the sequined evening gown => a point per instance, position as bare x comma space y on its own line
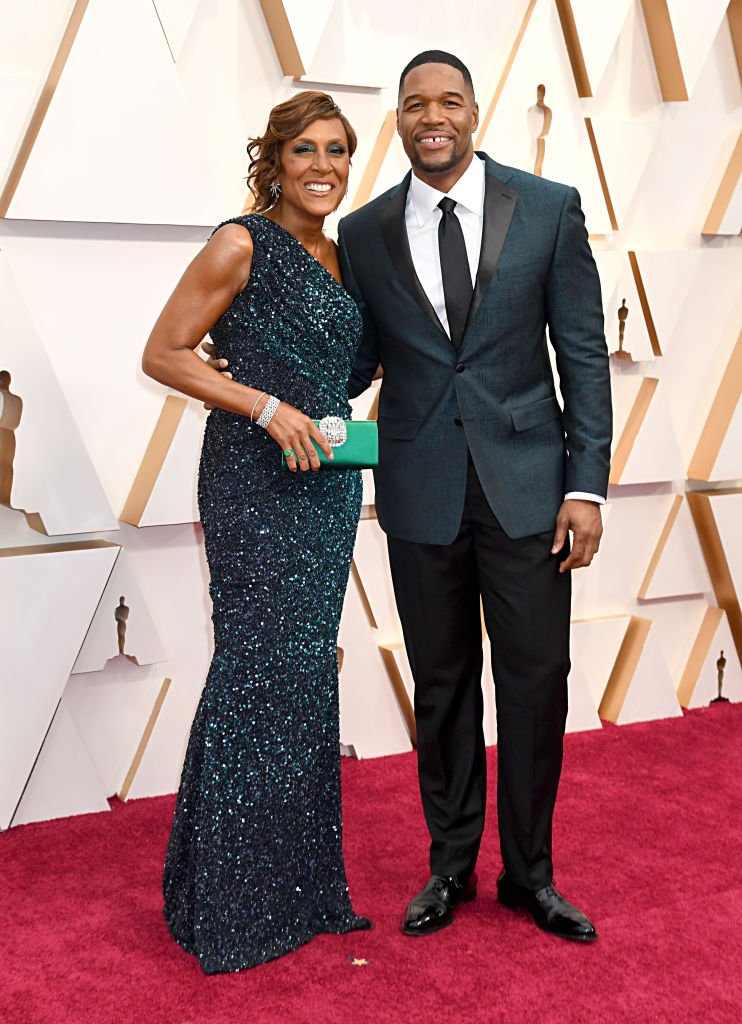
254, 866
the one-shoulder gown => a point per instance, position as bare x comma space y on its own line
254, 866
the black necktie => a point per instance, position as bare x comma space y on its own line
457, 286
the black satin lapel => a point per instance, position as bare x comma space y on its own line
499, 206
395, 235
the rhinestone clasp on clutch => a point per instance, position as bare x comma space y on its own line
334, 430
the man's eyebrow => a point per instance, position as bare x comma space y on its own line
417, 95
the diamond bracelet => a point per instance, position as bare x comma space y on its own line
269, 411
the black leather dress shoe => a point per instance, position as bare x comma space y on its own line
433, 908
549, 909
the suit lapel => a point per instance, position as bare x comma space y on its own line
395, 235
499, 206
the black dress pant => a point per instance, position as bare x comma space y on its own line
526, 606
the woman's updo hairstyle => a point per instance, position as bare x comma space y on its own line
287, 121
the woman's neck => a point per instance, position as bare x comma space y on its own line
303, 226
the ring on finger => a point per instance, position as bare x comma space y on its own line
288, 452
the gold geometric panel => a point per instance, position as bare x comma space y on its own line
718, 422
640, 686
713, 668
296, 29
677, 567
142, 745
591, 31
375, 160
681, 35
725, 215
704, 506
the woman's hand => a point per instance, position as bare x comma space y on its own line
293, 430
216, 364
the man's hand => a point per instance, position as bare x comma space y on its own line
217, 364
584, 520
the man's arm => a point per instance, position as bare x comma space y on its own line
576, 330
367, 358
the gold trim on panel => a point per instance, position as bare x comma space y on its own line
154, 459
375, 160
699, 503
42, 106
719, 418
364, 596
734, 16
664, 50
725, 192
144, 741
574, 48
631, 429
485, 122
661, 543
601, 173
284, 42
400, 690
624, 668
54, 549
699, 652
641, 291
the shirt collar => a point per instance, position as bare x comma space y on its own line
468, 192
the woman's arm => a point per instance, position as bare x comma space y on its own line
204, 292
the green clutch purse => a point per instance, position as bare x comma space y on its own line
354, 443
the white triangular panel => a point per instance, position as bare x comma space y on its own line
47, 601
118, 142
625, 148
370, 717
695, 29
110, 710
675, 623
731, 222
598, 27
707, 684
173, 499
64, 780
670, 280
52, 472
681, 569
617, 283
141, 640
651, 693
308, 23
728, 464
17, 95
594, 646
655, 455
176, 18
543, 59
624, 393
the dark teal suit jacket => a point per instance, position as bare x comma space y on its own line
494, 396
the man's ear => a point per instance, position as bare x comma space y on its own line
398, 130
475, 111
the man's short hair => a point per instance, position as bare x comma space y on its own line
436, 57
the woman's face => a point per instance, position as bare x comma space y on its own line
314, 168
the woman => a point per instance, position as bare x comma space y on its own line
254, 866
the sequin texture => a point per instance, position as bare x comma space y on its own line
254, 866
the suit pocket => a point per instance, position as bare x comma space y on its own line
400, 428
533, 415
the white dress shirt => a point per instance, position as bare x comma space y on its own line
422, 217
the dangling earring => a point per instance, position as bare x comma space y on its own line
275, 190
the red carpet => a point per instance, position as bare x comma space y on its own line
648, 841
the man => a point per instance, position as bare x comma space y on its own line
458, 271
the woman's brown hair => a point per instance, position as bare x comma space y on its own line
287, 121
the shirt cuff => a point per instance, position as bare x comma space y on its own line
584, 496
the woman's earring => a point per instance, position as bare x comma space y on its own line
275, 190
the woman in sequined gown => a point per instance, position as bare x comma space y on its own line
254, 866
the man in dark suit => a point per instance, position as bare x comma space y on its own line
458, 272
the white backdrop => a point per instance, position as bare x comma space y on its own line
122, 143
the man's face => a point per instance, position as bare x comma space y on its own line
436, 117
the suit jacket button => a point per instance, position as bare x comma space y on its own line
460, 368
458, 422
